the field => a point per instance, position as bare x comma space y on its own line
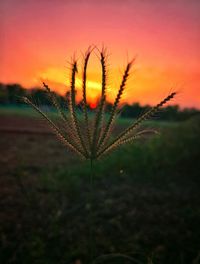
146, 200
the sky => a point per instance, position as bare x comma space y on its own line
39, 38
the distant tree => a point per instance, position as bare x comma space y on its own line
14, 93
170, 113
3, 94
39, 96
134, 110
188, 113
108, 107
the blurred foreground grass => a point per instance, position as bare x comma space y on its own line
146, 198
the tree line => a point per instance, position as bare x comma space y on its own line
11, 94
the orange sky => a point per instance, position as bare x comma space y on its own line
39, 37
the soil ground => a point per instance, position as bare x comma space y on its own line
150, 214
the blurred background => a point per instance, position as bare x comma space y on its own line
146, 195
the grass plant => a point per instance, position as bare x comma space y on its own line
91, 139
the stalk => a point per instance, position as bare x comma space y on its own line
91, 216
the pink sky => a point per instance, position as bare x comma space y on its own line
39, 37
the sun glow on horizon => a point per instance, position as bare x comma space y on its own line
166, 42
58, 81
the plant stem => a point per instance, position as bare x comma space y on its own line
91, 220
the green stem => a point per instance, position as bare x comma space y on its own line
91, 222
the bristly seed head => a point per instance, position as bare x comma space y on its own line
91, 142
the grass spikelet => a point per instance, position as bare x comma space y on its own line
98, 124
72, 102
129, 139
55, 129
84, 80
147, 115
116, 103
55, 102
72, 107
133, 127
66, 121
103, 55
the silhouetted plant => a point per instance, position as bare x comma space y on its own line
90, 139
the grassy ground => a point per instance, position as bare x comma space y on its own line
146, 197
26, 111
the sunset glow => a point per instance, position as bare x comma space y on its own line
93, 105
38, 39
